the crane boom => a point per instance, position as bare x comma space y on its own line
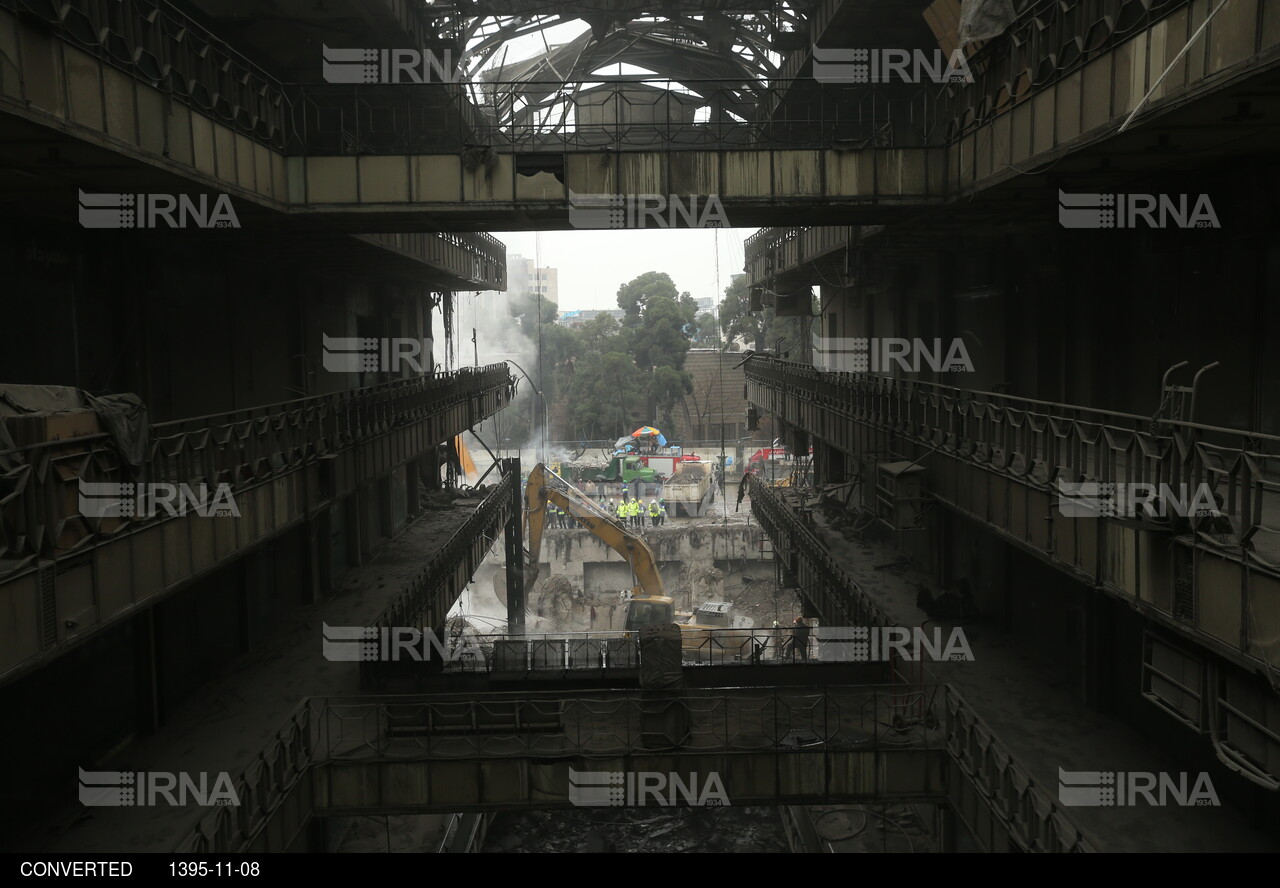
546, 486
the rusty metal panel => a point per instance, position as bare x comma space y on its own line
330, 179
1120, 557
1064, 538
1043, 114
75, 602
796, 173
202, 144
146, 550
1038, 504
263, 181
152, 121
483, 183
1067, 110
224, 536
747, 173
177, 549
1220, 585
849, 173
113, 569
642, 172
1270, 34
1232, 34
1157, 577
1130, 73
592, 174
224, 152
962, 151
42, 72
84, 88
694, 172
244, 162
19, 620
202, 543
384, 179
1096, 93
121, 113
1264, 617
1020, 145
10, 79
998, 505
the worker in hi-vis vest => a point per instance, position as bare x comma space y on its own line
654, 511
623, 511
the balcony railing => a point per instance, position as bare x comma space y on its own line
158, 45
476, 257
407, 118
40, 494
1042, 443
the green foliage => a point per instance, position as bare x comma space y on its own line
635, 295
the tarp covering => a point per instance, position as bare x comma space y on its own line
984, 19
123, 416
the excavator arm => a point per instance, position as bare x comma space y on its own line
546, 486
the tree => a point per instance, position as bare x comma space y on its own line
635, 295
706, 332
660, 337
605, 393
667, 385
736, 320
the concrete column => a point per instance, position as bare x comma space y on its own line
514, 533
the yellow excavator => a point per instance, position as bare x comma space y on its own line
649, 605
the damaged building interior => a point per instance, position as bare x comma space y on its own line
984, 559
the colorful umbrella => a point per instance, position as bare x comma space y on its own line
651, 432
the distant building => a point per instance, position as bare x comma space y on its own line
523, 276
581, 316
716, 403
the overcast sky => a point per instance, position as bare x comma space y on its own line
593, 264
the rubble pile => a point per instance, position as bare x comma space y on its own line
629, 830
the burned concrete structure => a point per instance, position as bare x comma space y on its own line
1039, 411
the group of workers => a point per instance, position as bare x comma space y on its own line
630, 512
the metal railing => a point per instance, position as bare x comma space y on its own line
1050, 40
1027, 813
778, 250
502, 725
260, 789
158, 45
39, 484
406, 118
428, 597
476, 257
1040, 443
